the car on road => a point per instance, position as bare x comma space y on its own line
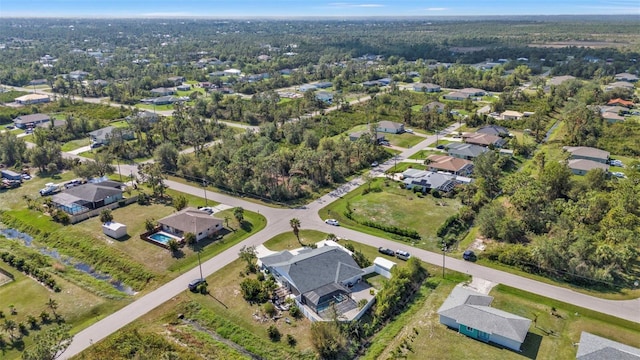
440, 147
469, 255
333, 222
410, 131
374, 164
386, 251
193, 285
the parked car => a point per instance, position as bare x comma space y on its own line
403, 255
193, 285
386, 251
374, 164
410, 131
440, 147
207, 209
617, 163
469, 255
10, 127
333, 222
385, 143
26, 177
618, 174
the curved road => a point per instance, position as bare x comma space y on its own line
278, 222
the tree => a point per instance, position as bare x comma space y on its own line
50, 343
106, 216
190, 239
249, 255
327, 339
174, 246
179, 202
53, 305
274, 333
152, 175
149, 224
167, 156
295, 225
238, 213
9, 326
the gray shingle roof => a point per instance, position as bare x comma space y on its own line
472, 309
593, 347
493, 130
26, 119
190, 220
316, 268
587, 151
469, 150
91, 192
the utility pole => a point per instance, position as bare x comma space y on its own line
199, 264
204, 184
444, 249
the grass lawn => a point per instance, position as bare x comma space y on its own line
404, 166
74, 144
425, 335
156, 107
422, 154
13, 198
390, 207
288, 240
404, 140
78, 307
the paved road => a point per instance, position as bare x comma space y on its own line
278, 222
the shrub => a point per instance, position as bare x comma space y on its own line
274, 333
291, 340
270, 309
295, 312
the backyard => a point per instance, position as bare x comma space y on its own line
392, 206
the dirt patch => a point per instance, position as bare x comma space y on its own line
479, 244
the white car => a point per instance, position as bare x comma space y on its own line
410, 131
333, 222
207, 209
618, 174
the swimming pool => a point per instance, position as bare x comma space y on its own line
161, 238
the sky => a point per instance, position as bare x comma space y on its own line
313, 8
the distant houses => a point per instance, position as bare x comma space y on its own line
584, 159
30, 121
162, 91
465, 151
428, 87
390, 127
31, 99
593, 347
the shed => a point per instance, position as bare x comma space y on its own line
114, 229
383, 266
11, 175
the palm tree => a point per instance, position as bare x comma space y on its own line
106, 216
9, 326
295, 225
53, 305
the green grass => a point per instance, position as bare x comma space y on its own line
422, 154
391, 207
420, 328
404, 140
288, 240
74, 144
156, 107
404, 166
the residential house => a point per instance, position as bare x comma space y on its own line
470, 313
191, 220
511, 115
102, 136
323, 85
619, 84
384, 81
285, 72
428, 180
587, 153
147, 116
31, 99
465, 151
428, 87
438, 106
264, 58
626, 77
456, 95
184, 87
612, 117
593, 347
483, 139
358, 134
53, 123
217, 74
557, 80
38, 82
162, 91
30, 121
494, 130
449, 164
307, 87
78, 75
317, 277
390, 127
177, 80
582, 166
324, 96
620, 102
99, 83
89, 196
163, 100
232, 72
473, 92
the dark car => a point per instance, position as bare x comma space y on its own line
193, 285
469, 255
386, 251
440, 147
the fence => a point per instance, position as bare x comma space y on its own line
85, 215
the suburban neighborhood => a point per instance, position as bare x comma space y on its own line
220, 190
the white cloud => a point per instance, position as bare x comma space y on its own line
436, 9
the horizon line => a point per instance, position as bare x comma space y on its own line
292, 17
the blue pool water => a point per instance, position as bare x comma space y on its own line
160, 237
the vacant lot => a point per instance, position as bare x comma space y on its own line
394, 206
